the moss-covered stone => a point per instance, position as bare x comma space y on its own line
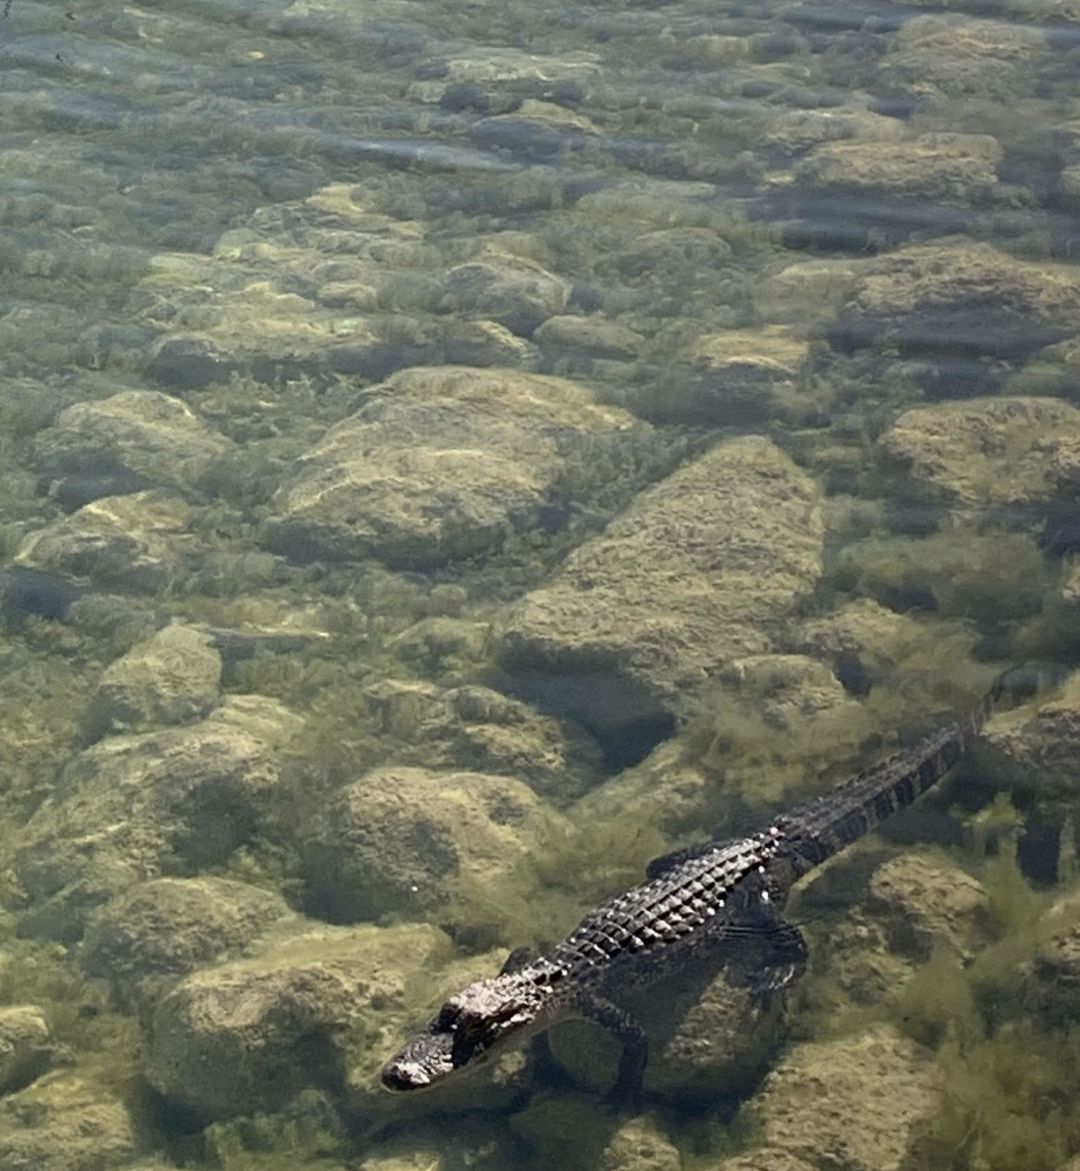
441, 464
427, 843
731, 542
312, 1008
945, 168
63, 1123
26, 1046
171, 679
153, 438
138, 542
130, 808
962, 294
859, 1102
986, 457
170, 926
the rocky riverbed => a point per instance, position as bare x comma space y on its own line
454, 453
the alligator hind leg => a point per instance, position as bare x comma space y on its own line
627, 1090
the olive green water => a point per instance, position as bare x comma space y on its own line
451, 453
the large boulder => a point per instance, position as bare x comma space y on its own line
172, 678
317, 1008
963, 296
857, 1102
441, 463
511, 290
425, 843
167, 927
703, 567
26, 1046
63, 1123
150, 437
980, 457
135, 542
134, 807
943, 168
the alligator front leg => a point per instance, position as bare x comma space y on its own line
768, 953
627, 1090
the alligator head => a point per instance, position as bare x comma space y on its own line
480, 1020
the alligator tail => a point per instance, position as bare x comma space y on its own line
825, 825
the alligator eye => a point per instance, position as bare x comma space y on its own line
446, 1020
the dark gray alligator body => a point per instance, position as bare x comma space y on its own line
719, 898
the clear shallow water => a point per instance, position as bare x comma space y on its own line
284, 291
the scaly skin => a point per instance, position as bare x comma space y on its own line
719, 898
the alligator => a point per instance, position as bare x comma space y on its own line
721, 899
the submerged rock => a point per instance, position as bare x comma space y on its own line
170, 926
511, 290
26, 1046
476, 729
173, 678
923, 902
135, 542
858, 1102
730, 543
962, 298
424, 843
945, 168
309, 1009
131, 808
442, 463
740, 374
63, 1123
942, 59
141, 433
980, 458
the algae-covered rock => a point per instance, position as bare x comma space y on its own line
946, 168
923, 902
149, 436
740, 373
26, 1047
1052, 976
730, 542
170, 926
794, 131
414, 840
980, 455
485, 343
307, 1009
762, 1159
441, 463
576, 338
942, 59
1036, 748
811, 292
133, 807
857, 1102
517, 293
171, 679
63, 1123
135, 542
863, 641
494, 76
962, 295
473, 728
640, 1145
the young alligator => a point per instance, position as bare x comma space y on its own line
721, 898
